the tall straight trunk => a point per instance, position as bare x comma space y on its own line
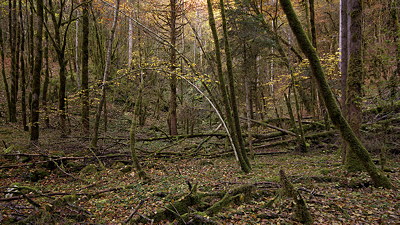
173, 129
354, 77
231, 84
225, 98
312, 23
130, 39
344, 56
14, 60
377, 176
36, 74
3, 72
77, 62
23, 71
85, 69
395, 78
105, 77
46, 76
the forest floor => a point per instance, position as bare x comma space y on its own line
39, 188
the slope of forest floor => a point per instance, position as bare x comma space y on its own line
62, 182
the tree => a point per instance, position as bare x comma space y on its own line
36, 73
12, 25
59, 41
354, 77
85, 68
23, 70
238, 146
173, 36
378, 177
105, 76
3, 72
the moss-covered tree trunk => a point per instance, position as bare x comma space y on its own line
354, 78
377, 176
225, 98
231, 83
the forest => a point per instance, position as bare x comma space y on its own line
199, 112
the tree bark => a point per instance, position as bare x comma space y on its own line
173, 129
46, 81
344, 62
3, 73
14, 61
354, 77
85, 69
36, 74
377, 176
23, 70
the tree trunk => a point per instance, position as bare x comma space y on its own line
344, 61
395, 78
23, 75
14, 60
3, 73
85, 69
77, 63
46, 76
354, 77
225, 98
105, 77
36, 74
377, 176
173, 129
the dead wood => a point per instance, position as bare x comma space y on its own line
270, 126
301, 212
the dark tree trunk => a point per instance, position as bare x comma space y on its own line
377, 176
14, 60
36, 74
344, 62
85, 68
173, 129
46, 77
23, 71
3, 72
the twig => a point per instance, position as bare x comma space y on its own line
134, 211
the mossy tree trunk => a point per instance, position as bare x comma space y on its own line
377, 176
231, 82
354, 78
245, 166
